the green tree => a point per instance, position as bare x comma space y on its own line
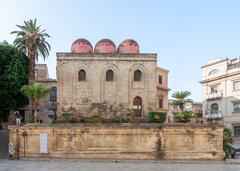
227, 141
13, 75
34, 93
31, 39
181, 98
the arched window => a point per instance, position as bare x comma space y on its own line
214, 108
53, 94
137, 75
160, 79
82, 75
109, 75
214, 71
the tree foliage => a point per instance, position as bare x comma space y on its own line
184, 116
35, 92
31, 40
227, 141
181, 98
13, 75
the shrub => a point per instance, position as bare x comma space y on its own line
95, 119
67, 115
227, 141
184, 116
157, 117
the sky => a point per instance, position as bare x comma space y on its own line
185, 34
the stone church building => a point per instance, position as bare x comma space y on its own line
107, 79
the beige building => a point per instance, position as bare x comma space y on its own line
221, 92
162, 88
108, 80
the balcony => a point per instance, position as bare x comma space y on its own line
213, 96
233, 65
214, 117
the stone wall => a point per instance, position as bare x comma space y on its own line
126, 141
95, 95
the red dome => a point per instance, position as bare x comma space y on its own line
81, 46
128, 46
105, 46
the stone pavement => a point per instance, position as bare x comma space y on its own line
103, 165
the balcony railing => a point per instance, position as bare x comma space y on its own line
211, 96
214, 117
235, 65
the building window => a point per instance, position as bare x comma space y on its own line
160, 79
214, 108
236, 131
214, 71
137, 75
109, 75
214, 89
53, 94
236, 85
82, 75
236, 107
36, 74
160, 103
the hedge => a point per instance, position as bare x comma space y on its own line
157, 117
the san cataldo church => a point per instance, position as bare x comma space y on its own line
107, 79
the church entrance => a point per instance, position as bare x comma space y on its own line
137, 106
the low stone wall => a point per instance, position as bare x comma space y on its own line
114, 141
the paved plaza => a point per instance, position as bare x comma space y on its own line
58, 165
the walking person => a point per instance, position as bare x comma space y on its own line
18, 118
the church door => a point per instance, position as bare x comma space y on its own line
137, 106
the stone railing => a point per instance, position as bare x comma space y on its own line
118, 141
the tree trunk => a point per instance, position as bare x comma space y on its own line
11, 118
35, 114
31, 75
181, 106
31, 66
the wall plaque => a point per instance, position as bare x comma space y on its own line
43, 142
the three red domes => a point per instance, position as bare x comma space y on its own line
105, 46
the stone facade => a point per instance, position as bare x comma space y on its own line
126, 141
41, 72
162, 88
96, 95
221, 92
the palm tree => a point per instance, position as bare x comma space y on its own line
180, 99
35, 92
32, 41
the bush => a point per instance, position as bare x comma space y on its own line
67, 116
184, 116
227, 141
95, 119
157, 117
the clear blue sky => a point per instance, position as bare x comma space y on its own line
185, 34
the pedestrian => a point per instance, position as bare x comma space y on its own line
18, 118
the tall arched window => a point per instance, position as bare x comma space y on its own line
137, 75
82, 75
109, 75
214, 108
53, 94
